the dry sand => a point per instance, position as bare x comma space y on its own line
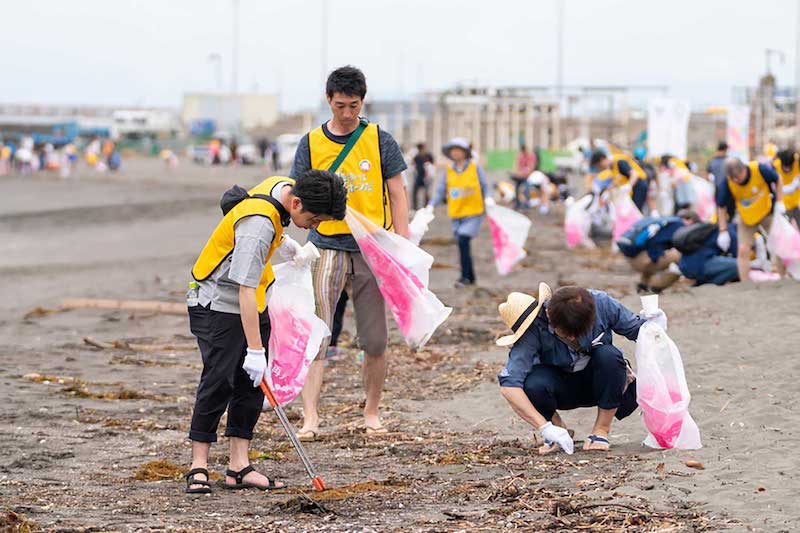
73, 451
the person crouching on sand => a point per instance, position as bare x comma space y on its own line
463, 186
229, 316
562, 357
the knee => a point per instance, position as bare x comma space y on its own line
373, 347
743, 251
538, 391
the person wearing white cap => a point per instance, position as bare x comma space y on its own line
463, 187
563, 358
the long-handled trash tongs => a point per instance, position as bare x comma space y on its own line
298, 446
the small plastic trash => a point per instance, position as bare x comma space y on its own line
661, 389
509, 233
296, 332
401, 270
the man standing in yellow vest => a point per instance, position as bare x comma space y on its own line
370, 162
228, 311
787, 164
463, 186
751, 187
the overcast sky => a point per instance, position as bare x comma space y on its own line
149, 52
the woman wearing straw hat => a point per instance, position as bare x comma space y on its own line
464, 187
562, 358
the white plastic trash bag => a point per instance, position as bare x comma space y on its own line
661, 389
401, 270
784, 241
578, 222
624, 213
705, 204
509, 233
419, 225
296, 333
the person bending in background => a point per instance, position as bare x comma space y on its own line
463, 186
751, 186
787, 165
702, 260
647, 246
624, 172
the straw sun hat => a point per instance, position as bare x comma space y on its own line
519, 311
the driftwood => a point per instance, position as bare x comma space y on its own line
125, 345
167, 308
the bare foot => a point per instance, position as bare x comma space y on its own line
373, 425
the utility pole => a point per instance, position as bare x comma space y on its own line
797, 79
217, 60
235, 59
560, 48
323, 48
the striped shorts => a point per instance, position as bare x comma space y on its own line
336, 271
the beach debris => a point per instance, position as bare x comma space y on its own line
135, 347
166, 308
158, 471
695, 464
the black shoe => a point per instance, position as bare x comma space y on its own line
641, 288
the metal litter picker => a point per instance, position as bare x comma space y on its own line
316, 480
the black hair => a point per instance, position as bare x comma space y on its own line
786, 157
571, 310
690, 214
347, 80
665, 160
322, 193
597, 156
722, 146
420, 146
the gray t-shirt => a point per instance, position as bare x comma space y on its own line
392, 164
253, 236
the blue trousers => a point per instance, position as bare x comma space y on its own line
719, 270
600, 384
467, 271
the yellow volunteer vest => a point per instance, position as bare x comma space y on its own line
789, 200
619, 178
464, 198
753, 200
220, 244
361, 172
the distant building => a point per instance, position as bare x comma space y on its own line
230, 112
141, 123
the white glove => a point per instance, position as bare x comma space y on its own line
288, 248
544, 209
626, 188
657, 317
307, 254
558, 435
489, 202
255, 364
780, 209
792, 187
724, 240
429, 208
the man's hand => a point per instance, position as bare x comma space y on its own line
558, 435
255, 364
489, 202
657, 317
724, 240
289, 248
307, 254
780, 208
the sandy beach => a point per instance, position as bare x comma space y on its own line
95, 438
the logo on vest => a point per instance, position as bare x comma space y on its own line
364, 165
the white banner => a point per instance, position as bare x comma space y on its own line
737, 132
667, 127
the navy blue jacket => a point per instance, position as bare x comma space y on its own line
651, 234
692, 265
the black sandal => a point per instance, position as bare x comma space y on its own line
241, 484
190, 480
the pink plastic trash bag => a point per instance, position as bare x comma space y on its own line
578, 222
401, 270
509, 233
705, 204
784, 241
624, 213
296, 332
662, 392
